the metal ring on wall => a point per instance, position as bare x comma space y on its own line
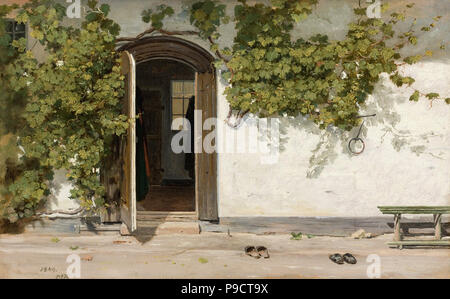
355, 140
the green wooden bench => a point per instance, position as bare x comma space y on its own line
436, 211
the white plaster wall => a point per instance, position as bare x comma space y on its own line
349, 185
60, 193
385, 174
412, 169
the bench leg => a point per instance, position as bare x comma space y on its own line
437, 226
405, 230
397, 233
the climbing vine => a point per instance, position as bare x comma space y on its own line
272, 73
72, 108
63, 111
14, 171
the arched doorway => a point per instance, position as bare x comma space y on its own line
168, 47
166, 51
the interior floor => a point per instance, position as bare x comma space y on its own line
169, 198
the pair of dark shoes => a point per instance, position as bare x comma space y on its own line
340, 259
257, 252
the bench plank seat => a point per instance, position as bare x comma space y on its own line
419, 243
414, 209
436, 211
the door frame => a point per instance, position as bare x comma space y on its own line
127, 205
177, 49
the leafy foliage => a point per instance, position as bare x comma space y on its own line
12, 169
73, 104
296, 236
155, 18
207, 16
325, 80
63, 112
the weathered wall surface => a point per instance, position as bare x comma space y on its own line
406, 160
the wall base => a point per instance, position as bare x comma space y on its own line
319, 226
327, 226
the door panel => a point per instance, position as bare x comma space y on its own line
128, 145
153, 122
206, 164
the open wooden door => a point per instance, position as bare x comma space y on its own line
128, 146
205, 163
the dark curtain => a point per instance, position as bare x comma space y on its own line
189, 162
141, 175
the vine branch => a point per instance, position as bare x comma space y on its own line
151, 30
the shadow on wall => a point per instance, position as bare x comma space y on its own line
59, 186
56, 186
333, 142
386, 97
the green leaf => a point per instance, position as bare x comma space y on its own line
432, 95
296, 236
415, 96
413, 40
412, 59
92, 4
105, 8
91, 17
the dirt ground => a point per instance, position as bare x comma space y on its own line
213, 255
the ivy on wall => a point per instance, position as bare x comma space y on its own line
72, 106
326, 81
63, 112
12, 169
271, 73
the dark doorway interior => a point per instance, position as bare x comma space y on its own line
166, 87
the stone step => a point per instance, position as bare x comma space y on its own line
163, 228
93, 227
166, 216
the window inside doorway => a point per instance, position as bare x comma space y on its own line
15, 30
181, 92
